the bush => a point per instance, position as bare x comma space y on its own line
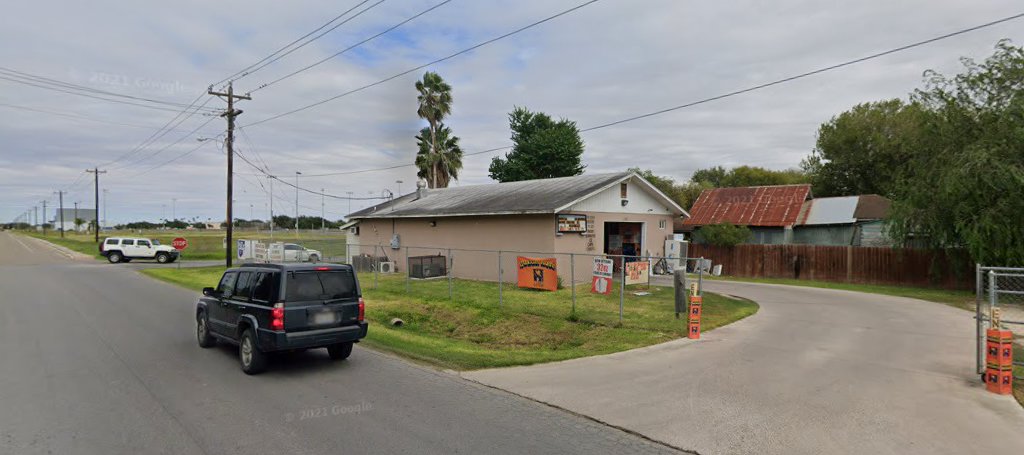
725, 234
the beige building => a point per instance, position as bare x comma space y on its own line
585, 215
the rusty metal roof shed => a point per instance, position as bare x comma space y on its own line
767, 206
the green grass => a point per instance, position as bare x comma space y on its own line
959, 299
202, 244
533, 326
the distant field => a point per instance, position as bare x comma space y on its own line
202, 244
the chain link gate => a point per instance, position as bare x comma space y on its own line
1000, 289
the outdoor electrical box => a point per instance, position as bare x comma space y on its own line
675, 253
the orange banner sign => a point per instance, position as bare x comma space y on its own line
538, 273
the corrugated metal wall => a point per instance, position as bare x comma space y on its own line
950, 269
836, 235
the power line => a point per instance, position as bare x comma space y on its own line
82, 88
250, 163
86, 95
728, 94
378, 35
164, 148
411, 70
74, 116
316, 37
163, 130
249, 69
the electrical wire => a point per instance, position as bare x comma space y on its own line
417, 68
378, 35
728, 94
163, 130
249, 69
74, 116
82, 88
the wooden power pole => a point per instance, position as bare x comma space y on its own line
230, 115
60, 195
96, 214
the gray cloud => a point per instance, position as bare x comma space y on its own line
611, 60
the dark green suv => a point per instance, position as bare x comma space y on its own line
283, 307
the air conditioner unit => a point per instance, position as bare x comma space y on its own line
387, 267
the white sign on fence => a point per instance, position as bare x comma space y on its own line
602, 283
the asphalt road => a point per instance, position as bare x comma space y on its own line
815, 371
97, 359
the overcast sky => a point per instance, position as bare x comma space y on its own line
609, 60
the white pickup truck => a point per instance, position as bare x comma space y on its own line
124, 249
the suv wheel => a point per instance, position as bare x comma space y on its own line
203, 331
314, 258
162, 257
340, 351
114, 257
253, 360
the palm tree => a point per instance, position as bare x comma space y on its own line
435, 102
439, 164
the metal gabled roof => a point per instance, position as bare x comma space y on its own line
769, 206
511, 198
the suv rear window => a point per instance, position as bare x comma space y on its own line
111, 242
320, 285
127, 242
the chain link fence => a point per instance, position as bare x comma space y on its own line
514, 277
1000, 301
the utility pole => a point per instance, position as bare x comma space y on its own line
270, 179
104, 207
349, 193
35, 216
44, 218
322, 220
96, 214
297, 174
75, 221
229, 143
61, 196
174, 208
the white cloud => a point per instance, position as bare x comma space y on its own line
608, 61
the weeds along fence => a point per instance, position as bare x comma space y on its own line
950, 269
441, 272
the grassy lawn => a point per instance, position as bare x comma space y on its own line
202, 244
473, 332
960, 299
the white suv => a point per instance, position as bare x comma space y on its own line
124, 249
298, 253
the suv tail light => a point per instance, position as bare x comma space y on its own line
277, 317
362, 309
101, 245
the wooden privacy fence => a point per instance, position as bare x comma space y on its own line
950, 269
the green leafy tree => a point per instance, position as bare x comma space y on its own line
719, 177
440, 157
434, 103
864, 150
78, 223
725, 234
542, 148
963, 185
683, 194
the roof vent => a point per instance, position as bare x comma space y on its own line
421, 189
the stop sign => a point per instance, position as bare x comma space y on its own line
179, 243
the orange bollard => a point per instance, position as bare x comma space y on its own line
695, 312
999, 361
694, 332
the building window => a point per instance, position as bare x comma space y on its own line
622, 190
662, 224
